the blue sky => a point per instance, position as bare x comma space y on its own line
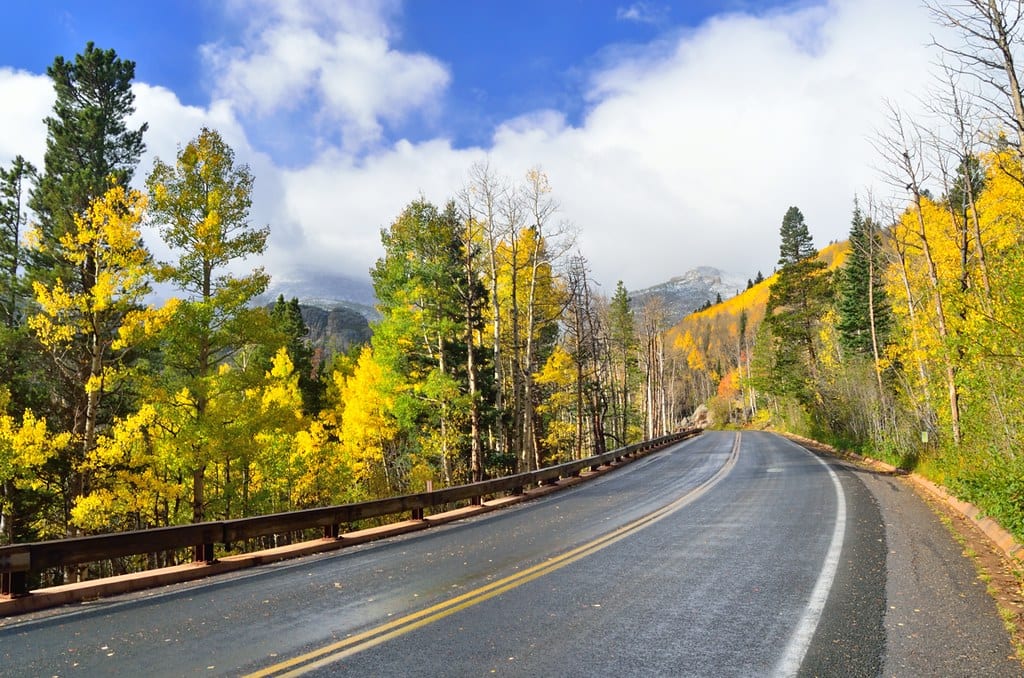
505, 58
659, 119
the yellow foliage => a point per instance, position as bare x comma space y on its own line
366, 425
694, 360
559, 370
729, 386
26, 446
142, 324
707, 338
95, 511
321, 475
282, 386
31, 443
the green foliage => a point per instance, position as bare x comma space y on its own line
426, 295
797, 302
88, 145
622, 342
288, 318
14, 292
863, 302
795, 240
201, 205
996, 486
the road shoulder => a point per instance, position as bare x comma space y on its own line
944, 579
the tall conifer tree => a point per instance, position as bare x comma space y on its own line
795, 240
89, 149
288, 317
13, 292
88, 146
863, 305
796, 302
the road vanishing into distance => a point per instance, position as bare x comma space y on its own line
729, 554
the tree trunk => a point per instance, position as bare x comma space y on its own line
940, 316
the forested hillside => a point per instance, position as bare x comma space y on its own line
909, 349
493, 352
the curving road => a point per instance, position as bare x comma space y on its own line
727, 554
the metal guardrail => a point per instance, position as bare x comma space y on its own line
19, 561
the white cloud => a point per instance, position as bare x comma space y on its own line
642, 12
28, 99
689, 155
332, 57
690, 152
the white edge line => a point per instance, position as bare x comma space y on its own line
796, 650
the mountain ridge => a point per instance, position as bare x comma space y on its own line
685, 293
339, 308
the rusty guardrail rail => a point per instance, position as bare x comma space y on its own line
19, 561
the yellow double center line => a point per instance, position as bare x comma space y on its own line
359, 642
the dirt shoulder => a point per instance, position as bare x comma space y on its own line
996, 571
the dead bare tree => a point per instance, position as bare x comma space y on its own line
653, 321
480, 202
902, 146
990, 30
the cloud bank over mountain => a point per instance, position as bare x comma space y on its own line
690, 149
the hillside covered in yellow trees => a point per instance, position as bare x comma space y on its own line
902, 342
717, 343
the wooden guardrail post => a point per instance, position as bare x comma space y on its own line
203, 553
14, 570
13, 584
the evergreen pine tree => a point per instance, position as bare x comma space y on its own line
13, 291
861, 290
288, 318
622, 340
796, 302
88, 146
796, 243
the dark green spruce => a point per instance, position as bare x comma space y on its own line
862, 303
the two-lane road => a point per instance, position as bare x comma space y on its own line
728, 554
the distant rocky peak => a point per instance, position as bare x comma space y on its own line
685, 293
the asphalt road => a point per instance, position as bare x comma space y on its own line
725, 555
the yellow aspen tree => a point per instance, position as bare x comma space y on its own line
559, 406
320, 475
139, 484
25, 446
89, 330
272, 429
369, 430
201, 205
903, 148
